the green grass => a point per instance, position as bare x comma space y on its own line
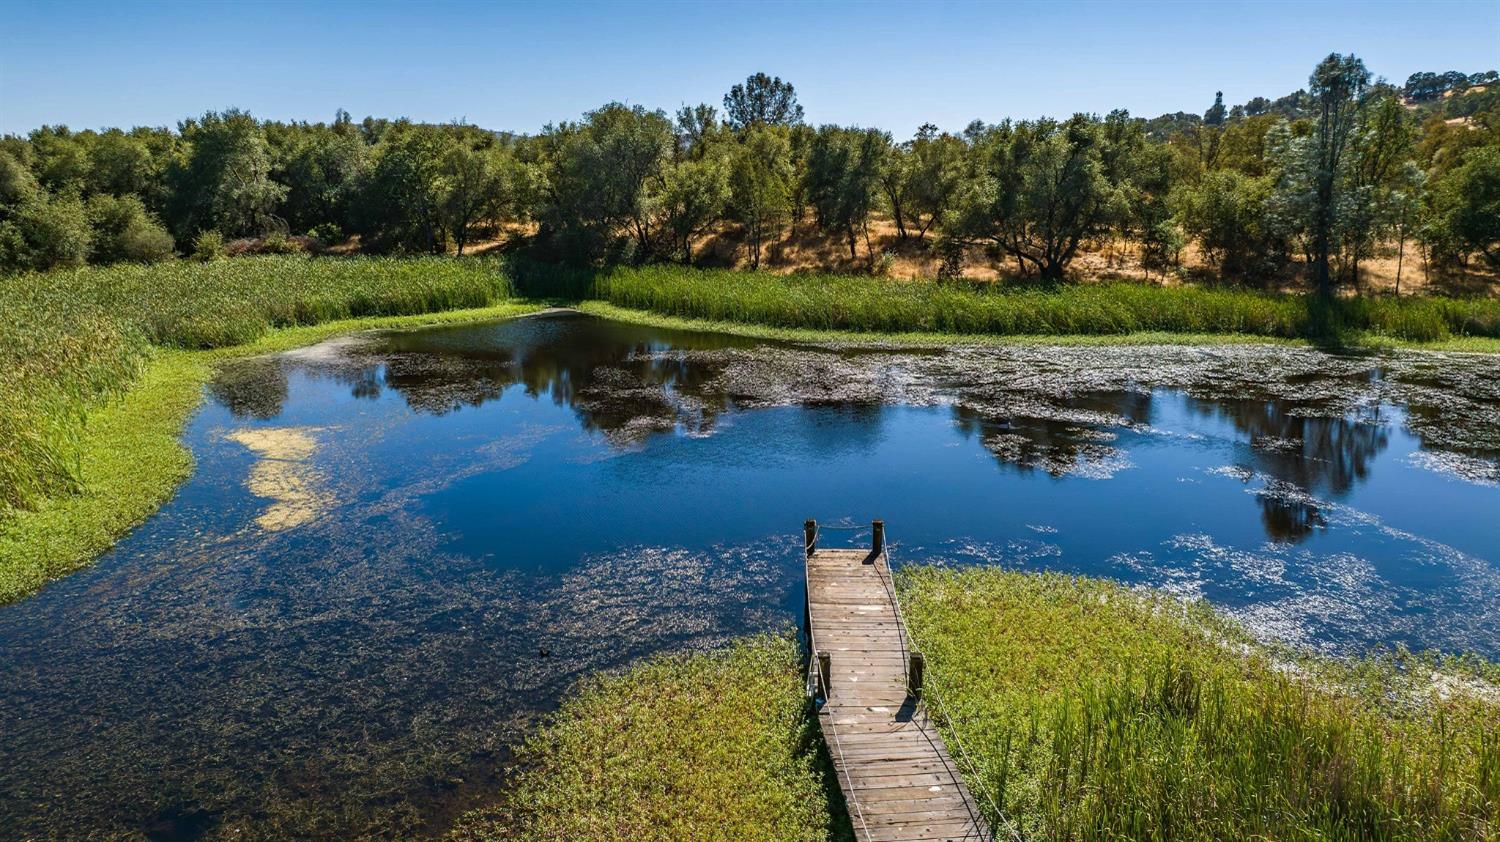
100, 367
1092, 711
875, 305
702, 746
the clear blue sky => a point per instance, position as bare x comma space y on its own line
520, 66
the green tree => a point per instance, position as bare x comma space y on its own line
1337, 87
1229, 214
400, 198
44, 233
843, 179
600, 173
760, 186
920, 179
1040, 190
1466, 205
224, 180
762, 101
692, 196
477, 186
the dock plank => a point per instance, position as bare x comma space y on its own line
898, 779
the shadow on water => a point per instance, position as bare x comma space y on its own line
483, 514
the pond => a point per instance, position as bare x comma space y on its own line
398, 550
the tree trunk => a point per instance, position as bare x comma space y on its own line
1400, 256
853, 253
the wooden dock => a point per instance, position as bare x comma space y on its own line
898, 779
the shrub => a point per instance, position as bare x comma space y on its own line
209, 245
125, 231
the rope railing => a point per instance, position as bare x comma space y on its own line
908, 645
927, 677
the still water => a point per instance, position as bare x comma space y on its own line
398, 550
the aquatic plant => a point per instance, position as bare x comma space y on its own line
1086, 709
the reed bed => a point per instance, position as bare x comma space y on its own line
860, 303
1092, 711
710, 746
75, 338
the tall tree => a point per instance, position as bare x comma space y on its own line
1337, 87
760, 186
762, 101
843, 177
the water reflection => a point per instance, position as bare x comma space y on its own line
1317, 455
600, 492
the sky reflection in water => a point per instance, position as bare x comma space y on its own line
336, 628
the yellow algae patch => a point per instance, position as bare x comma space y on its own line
283, 475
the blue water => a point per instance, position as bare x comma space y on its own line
487, 513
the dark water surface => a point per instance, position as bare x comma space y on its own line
398, 550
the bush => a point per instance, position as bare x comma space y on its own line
209, 245
125, 232
45, 233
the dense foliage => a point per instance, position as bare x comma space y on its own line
1082, 709
1320, 176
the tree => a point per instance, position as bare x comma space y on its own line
1466, 204
1214, 116
224, 181
920, 179
692, 196
601, 169
1378, 146
477, 186
322, 167
398, 206
45, 232
843, 176
760, 185
1337, 87
1040, 192
762, 101
1229, 214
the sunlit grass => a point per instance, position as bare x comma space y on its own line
1092, 711
866, 304
703, 746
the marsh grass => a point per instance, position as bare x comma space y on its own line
706, 746
868, 304
1094, 711
75, 339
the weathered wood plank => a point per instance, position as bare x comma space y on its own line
897, 777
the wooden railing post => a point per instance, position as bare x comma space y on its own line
810, 535
916, 666
878, 529
825, 674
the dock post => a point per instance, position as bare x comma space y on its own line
810, 535
825, 673
916, 667
878, 529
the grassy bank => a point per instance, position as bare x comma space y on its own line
702, 746
1093, 711
1078, 708
875, 305
99, 369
